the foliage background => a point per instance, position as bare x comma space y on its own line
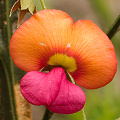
103, 103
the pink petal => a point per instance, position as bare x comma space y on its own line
70, 98
52, 90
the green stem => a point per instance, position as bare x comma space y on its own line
48, 114
9, 88
9, 37
11, 81
82, 111
43, 4
114, 28
83, 114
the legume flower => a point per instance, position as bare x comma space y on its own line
50, 41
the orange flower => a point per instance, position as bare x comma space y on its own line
51, 38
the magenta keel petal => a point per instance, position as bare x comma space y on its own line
52, 90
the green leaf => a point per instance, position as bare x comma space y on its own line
38, 5
27, 4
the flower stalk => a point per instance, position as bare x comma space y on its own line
114, 28
43, 4
83, 114
48, 114
82, 111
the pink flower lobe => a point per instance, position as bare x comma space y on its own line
52, 90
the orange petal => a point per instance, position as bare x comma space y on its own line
50, 32
44, 34
94, 55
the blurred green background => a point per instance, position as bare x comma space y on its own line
103, 103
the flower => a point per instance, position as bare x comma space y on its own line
24, 6
50, 41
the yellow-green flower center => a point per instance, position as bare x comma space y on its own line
63, 60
